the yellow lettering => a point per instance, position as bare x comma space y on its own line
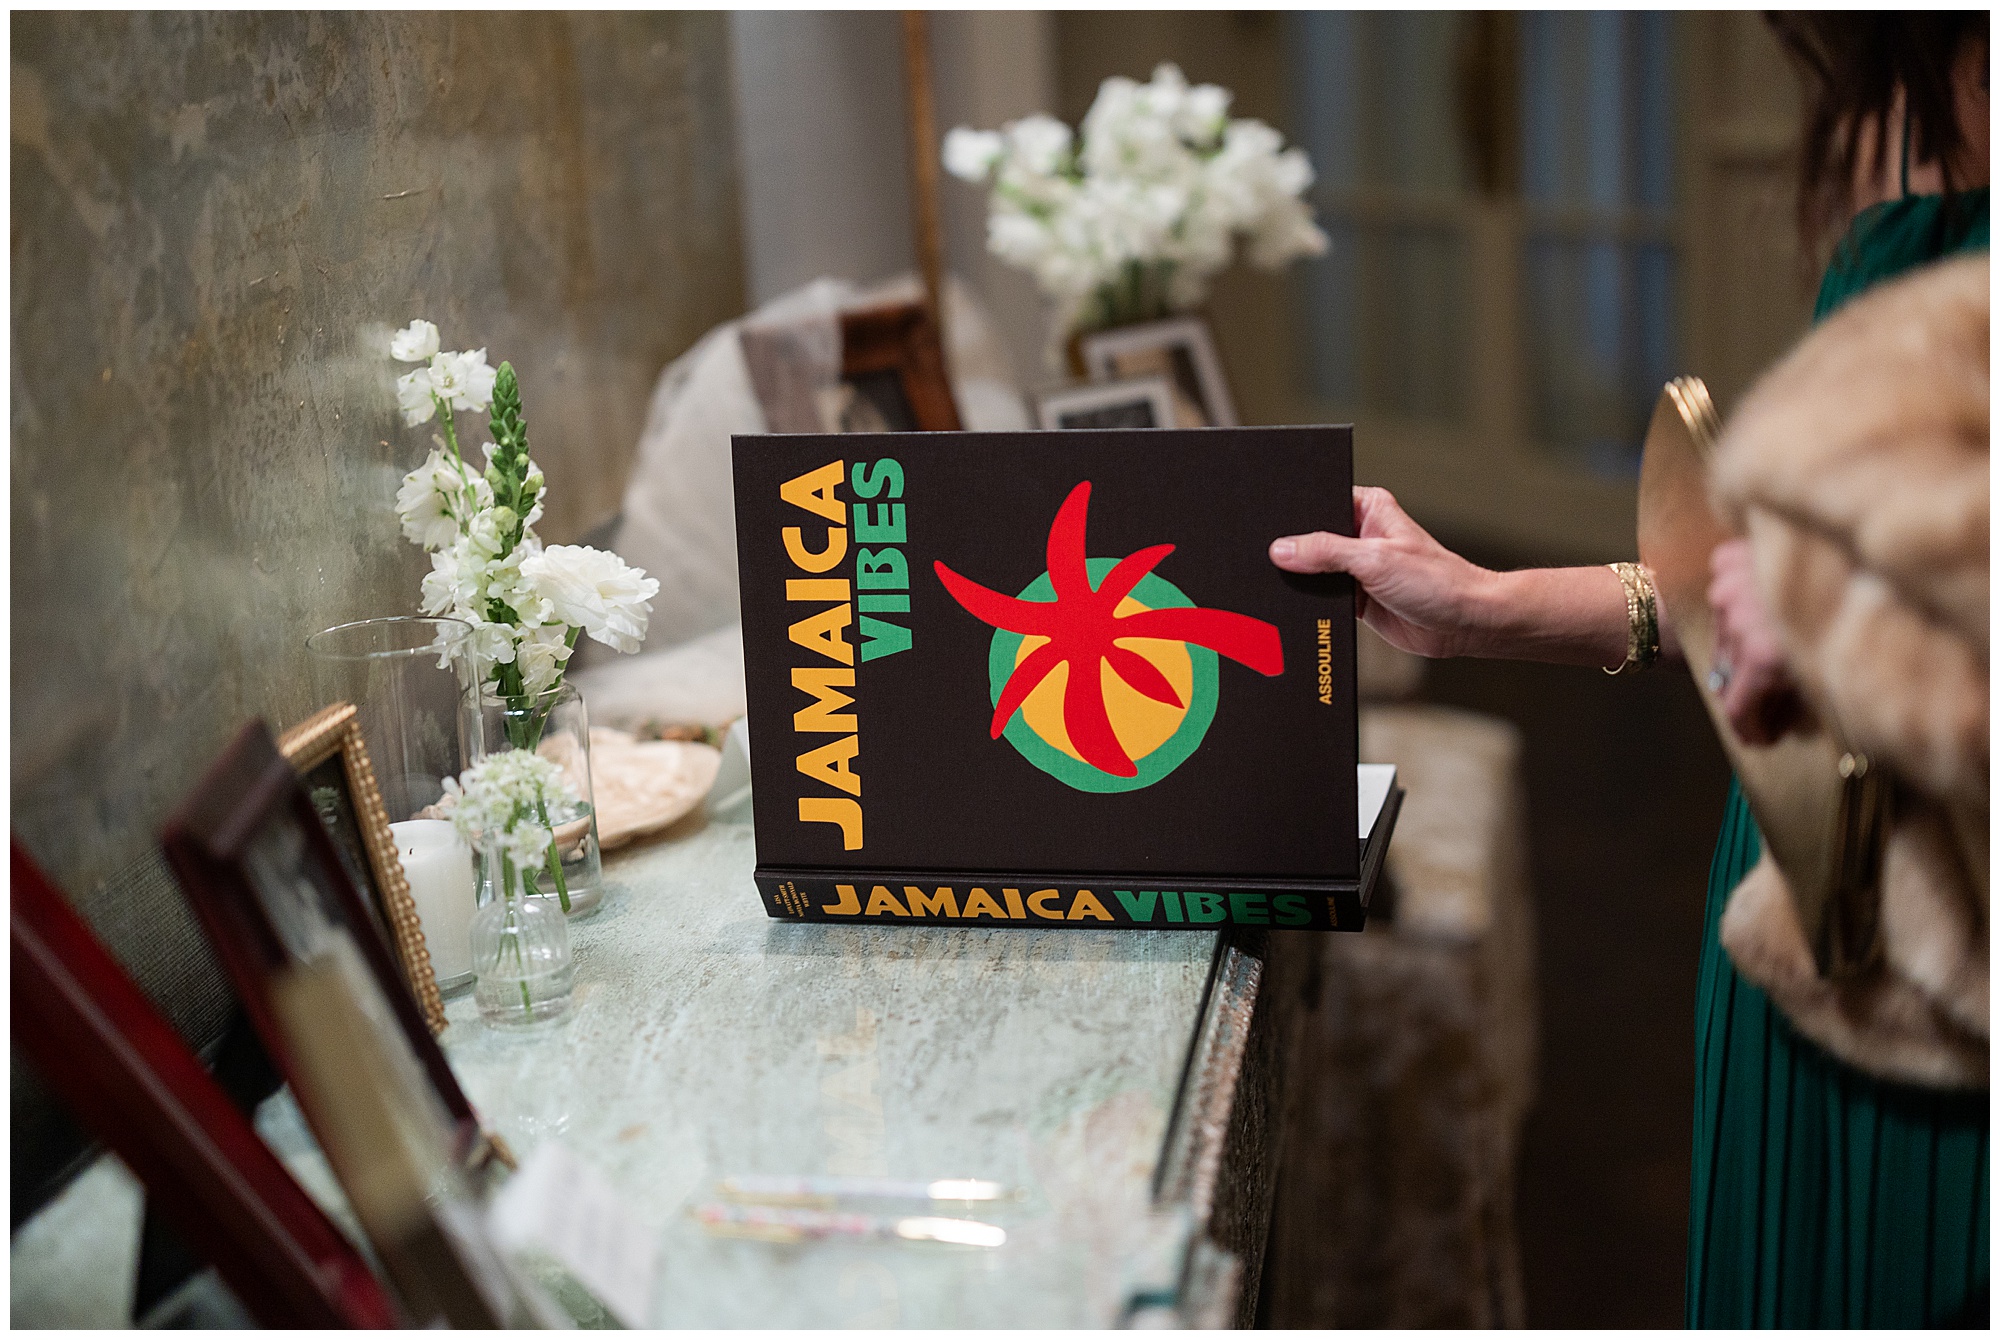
1038, 904
848, 905
816, 588
828, 764
824, 684
881, 902
834, 810
836, 548
979, 903
821, 633
1086, 905
943, 903
813, 491
1014, 908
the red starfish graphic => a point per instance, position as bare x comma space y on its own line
1084, 630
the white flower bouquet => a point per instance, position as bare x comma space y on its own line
503, 803
1133, 219
527, 604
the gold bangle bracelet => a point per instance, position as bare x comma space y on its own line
1642, 616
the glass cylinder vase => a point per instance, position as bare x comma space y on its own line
555, 725
520, 953
415, 692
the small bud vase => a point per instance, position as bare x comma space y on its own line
520, 953
555, 725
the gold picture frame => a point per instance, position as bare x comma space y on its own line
327, 752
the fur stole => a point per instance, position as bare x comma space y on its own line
1858, 468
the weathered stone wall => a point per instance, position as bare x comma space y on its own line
216, 220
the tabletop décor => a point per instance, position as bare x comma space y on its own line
414, 903
318, 982
127, 1075
1067, 672
520, 945
1133, 402
1178, 349
526, 603
645, 785
1132, 218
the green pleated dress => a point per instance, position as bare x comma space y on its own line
1821, 1196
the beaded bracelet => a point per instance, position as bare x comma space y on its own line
1642, 613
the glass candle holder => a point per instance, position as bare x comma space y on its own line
555, 725
414, 687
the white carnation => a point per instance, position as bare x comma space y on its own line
542, 655
595, 591
415, 343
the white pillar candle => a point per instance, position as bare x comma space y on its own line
438, 864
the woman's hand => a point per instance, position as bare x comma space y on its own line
1413, 591
1750, 676
1422, 597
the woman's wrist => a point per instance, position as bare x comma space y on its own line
1572, 616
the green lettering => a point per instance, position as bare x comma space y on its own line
886, 528
882, 638
1172, 902
881, 570
886, 604
1138, 906
1247, 909
1291, 910
1205, 907
887, 472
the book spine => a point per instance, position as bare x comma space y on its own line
987, 900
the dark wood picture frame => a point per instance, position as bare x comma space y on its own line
331, 758
898, 343
318, 981
129, 1077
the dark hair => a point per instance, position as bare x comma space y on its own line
1852, 64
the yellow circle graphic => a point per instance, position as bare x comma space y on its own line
1141, 724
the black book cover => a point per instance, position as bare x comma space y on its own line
1050, 678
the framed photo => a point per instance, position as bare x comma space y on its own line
327, 752
892, 374
317, 978
873, 369
1179, 349
1136, 402
125, 1073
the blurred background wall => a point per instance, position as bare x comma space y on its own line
216, 221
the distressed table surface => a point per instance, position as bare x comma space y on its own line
707, 1040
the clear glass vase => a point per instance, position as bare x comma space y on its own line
521, 954
555, 725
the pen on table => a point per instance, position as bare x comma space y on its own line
771, 1224
822, 1190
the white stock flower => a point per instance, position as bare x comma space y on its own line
432, 501
1158, 177
595, 591
415, 343
506, 798
413, 397
970, 153
463, 380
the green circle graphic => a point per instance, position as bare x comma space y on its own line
1155, 592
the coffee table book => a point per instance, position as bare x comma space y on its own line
1052, 679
